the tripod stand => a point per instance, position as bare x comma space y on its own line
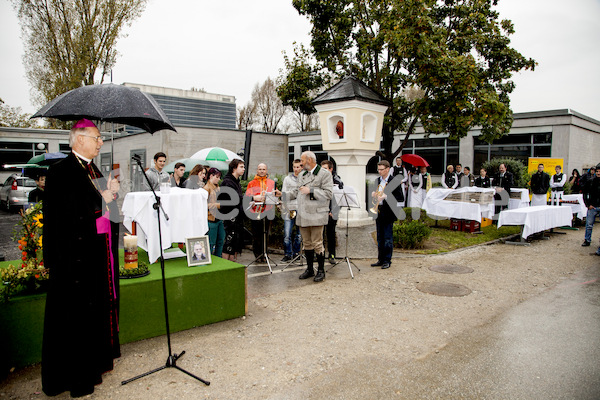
172, 358
265, 253
345, 200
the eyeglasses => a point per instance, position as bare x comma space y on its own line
96, 138
382, 169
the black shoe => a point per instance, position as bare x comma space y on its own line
331, 259
320, 275
377, 264
585, 243
308, 272
386, 265
286, 258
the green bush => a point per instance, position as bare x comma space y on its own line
411, 235
410, 212
516, 167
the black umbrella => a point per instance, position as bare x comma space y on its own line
108, 103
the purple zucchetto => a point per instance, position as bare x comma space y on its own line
84, 123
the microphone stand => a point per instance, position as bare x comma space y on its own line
172, 358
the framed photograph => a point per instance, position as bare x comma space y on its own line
198, 251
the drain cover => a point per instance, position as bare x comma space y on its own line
444, 289
451, 269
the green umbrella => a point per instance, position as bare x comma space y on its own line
215, 154
46, 158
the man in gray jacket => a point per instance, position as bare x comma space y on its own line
156, 174
314, 192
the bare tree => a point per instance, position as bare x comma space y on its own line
71, 43
246, 116
269, 108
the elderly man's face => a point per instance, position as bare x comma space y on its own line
261, 170
159, 163
502, 168
306, 162
91, 143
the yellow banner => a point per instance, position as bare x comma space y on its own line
549, 164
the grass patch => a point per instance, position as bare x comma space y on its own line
443, 239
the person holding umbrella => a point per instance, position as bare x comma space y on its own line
80, 245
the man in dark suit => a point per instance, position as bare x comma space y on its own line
502, 182
386, 198
540, 184
80, 250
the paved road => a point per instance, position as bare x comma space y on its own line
545, 348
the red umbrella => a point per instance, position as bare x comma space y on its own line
415, 160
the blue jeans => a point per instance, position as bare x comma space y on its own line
289, 247
589, 222
385, 240
216, 237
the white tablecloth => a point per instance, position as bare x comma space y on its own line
435, 204
537, 218
187, 211
523, 201
579, 209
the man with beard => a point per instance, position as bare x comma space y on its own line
314, 192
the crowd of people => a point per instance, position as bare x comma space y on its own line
81, 337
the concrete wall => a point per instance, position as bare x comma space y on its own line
266, 147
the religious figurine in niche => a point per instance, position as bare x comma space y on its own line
339, 129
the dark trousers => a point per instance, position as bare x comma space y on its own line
330, 233
258, 235
385, 240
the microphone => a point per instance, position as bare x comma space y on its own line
136, 157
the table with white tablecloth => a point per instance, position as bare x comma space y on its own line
187, 211
519, 197
578, 208
536, 219
436, 204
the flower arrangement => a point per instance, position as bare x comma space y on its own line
31, 275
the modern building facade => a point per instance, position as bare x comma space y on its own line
564, 134
192, 108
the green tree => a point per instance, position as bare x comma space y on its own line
15, 117
445, 63
71, 43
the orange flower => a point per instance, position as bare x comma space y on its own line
37, 276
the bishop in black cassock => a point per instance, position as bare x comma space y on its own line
80, 242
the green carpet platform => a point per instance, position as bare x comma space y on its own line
196, 296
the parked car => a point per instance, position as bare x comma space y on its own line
15, 190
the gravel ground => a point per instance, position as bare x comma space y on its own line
343, 338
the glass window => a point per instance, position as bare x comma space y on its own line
545, 138
542, 151
436, 159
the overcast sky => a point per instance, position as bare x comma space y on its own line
228, 46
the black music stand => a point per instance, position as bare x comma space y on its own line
272, 201
347, 198
172, 358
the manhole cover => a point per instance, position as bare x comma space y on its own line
451, 269
444, 289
